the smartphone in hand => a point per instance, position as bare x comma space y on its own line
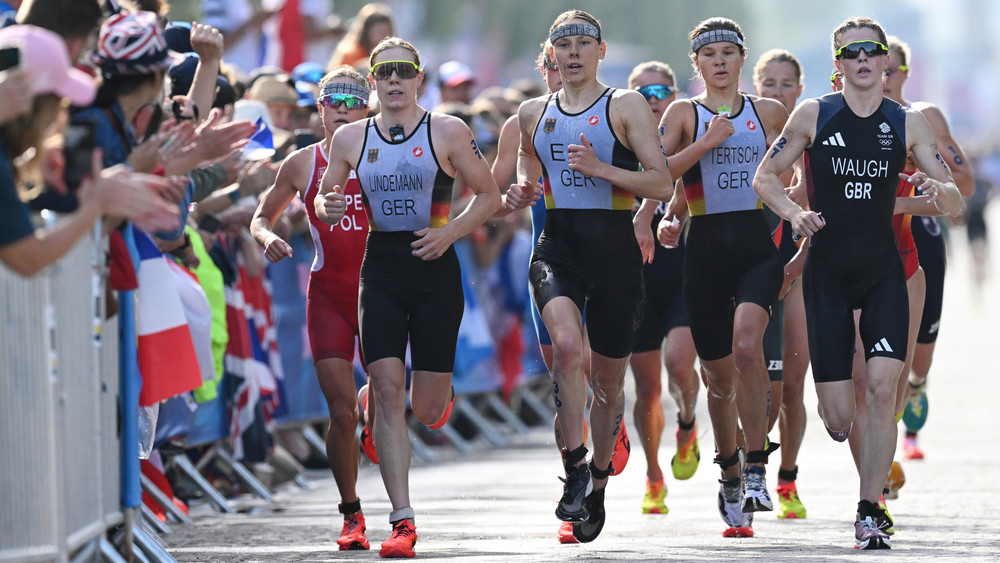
78, 149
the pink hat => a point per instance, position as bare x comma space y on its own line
45, 58
133, 44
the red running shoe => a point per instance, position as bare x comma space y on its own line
619, 458
447, 413
367, 440
566, 533
401, 542
353, 536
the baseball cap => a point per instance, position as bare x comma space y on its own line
182, 75
178, 37
45, 58
308, 72
270, 90
132, 44
453, 73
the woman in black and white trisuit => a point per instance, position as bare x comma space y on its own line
732, 271
406, 159
856, 142
587, 142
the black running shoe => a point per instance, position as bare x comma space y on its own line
576, 486
589, 529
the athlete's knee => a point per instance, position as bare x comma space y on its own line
427, 412
567, 349
679, 365
343, 416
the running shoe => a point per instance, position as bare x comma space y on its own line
867, 535
402, 540
731, 503
367, 440
910, 448
447, 413
353, 535
685, 461
894, 481
883, 519
789, 504
619, 457
587, 530
755, 495
915, 412
653, 501
576, 486
566, 533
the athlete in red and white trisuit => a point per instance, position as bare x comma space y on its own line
332, 296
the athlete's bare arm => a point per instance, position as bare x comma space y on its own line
795, 138
633, 122
951, 151
529, 169
677, 129
505, 166
346, 145
933, 179
292, 176
459, 154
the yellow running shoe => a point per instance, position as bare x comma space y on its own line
685, 461
790, 505
652, 502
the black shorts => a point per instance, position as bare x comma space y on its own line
832, 294
665, 309
931, 252
774, 342
730, 260
592, 257
405, 298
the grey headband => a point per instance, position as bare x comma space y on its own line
715, 36
348, 88
567, 29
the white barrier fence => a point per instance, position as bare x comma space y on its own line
59, 456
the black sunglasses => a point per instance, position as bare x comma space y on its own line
854, 48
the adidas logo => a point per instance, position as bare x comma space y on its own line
835, 140
881, 346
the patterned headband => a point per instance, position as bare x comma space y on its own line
567, 29
714, 36
348, 88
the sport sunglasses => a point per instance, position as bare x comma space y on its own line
658, 91
347, 100
854, 48
403, 69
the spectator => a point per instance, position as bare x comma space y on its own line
372, 24
455, 81
282, 100
46, 62
73, 20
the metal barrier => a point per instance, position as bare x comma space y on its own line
58, 426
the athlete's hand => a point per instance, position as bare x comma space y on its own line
644, 235
668, 232
582, 158
807, 223
719, 129
925, 186
277, 250
331, 205
431, 244
519, 197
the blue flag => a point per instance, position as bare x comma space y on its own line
261, 145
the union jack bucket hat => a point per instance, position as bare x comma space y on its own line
132, 44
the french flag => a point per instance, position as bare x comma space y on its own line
261, 144
167, 359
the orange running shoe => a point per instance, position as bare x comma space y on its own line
402, 540
367, 440
353, 536
447, 412
566, 533
619, 457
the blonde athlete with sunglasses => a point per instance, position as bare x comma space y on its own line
411, 290
587, 142
332, 294
665, 330
856, 143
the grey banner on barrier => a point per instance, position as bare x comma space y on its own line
58, 427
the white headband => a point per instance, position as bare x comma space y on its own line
567, 29
714, 36
348, 88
